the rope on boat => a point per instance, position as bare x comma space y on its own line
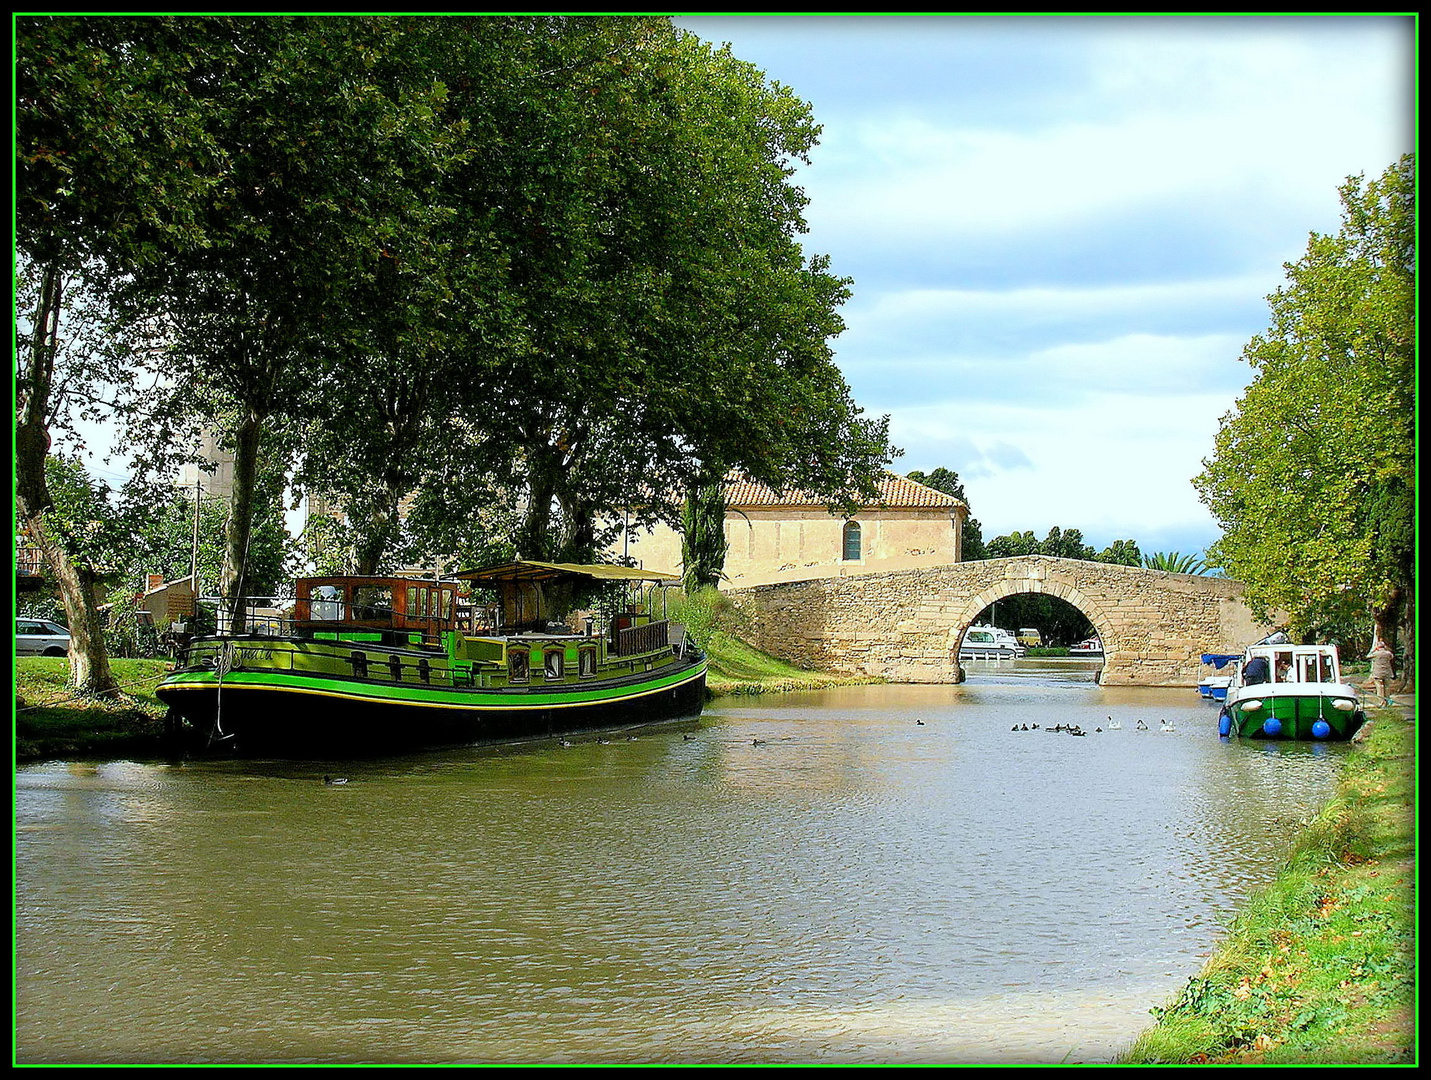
223, 663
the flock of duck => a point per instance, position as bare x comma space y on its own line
1113, 725
1067, 729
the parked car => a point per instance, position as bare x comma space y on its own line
40, 637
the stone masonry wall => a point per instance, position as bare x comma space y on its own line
906, 625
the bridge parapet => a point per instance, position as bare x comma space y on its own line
906, 625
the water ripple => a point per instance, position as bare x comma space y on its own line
810, 878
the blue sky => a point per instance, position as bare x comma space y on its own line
1062, 231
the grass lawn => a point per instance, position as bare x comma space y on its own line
738, 668
52, 721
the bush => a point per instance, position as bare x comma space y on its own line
705, 613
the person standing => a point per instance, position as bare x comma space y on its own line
1256, 671
1381, 658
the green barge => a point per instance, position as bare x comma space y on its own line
368, 665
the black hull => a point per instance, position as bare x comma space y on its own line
273, 722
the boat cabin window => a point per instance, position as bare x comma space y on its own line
1282, 666
553, 663
328, 603
372, 603
518, 662
586, 663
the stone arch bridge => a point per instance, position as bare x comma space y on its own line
906, 625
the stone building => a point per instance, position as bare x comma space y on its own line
213, 471
794, 537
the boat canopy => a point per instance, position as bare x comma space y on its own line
527, 570
1220, 660
531, 592
1299, 663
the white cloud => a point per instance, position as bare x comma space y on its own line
1208, 117
1114, 465
888, 310
1062, 231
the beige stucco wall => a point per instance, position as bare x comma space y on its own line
769, 545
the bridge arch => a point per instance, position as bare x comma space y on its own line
904, 625
1091, 608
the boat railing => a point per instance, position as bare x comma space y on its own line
262, 616
642, 638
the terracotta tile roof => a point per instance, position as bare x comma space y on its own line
894, 492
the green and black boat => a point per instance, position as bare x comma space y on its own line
1285, 691
365, 665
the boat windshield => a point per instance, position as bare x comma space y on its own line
1300, 664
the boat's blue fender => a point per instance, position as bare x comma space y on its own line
1272, 727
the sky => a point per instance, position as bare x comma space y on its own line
1062, 232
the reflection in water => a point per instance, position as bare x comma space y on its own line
860, 875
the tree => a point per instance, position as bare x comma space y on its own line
107, 150
1066, 544
671, 326
561, 251
1012, 545
1122, 553
397, 389
325, 152
1313, 474
1059, 543
605, 303
972, 545
98, 534
1174, 562
940, 479
703, 539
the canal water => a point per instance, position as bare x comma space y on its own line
861, 875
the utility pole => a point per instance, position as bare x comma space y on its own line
194, 557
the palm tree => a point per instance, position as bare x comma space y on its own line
1175, 562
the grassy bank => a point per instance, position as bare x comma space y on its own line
52, 721
738, 668
1319, 968
716, 624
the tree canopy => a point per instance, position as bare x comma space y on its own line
521, 270
1313, 473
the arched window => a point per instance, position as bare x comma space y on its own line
852, 541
